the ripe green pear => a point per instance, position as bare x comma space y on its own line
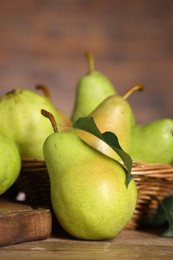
91, 90
21, 121
88, 192
10, 163
153, 142
114, 114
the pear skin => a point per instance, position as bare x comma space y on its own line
10, 163
88, 191
91, 90
21, 121
89, 195
114, 114
153, 142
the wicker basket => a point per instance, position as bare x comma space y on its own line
151, 179
34, 182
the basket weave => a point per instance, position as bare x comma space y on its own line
151, 179
34, 182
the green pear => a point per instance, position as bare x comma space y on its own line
88, 192
153, 142
10, 163
21, 121
91, 90
114, 114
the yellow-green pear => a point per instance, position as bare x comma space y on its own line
10, 163
114, 114
88, 192
153, 142
91, 90
21, 121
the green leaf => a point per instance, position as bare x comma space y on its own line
88, 124
168, 216
112, 140
159, 218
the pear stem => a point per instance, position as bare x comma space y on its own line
51, 118
13, 91
134, 88
45, 90
90, 59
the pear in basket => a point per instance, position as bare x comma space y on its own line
89, 194
20, 120
92, 89
114, 114
153, 142
10, 163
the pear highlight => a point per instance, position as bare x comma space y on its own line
88, 192
91, 90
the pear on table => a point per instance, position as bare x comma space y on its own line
91, 90
88, 192
153, 142
113, 114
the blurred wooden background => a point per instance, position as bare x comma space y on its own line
43, 41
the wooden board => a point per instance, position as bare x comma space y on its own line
20, 223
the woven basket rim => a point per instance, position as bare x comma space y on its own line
139, 169
135, 164
153, 170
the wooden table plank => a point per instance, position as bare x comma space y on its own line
127, 245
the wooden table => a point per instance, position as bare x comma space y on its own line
127, 245
44, 42
31, 232
48, 240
